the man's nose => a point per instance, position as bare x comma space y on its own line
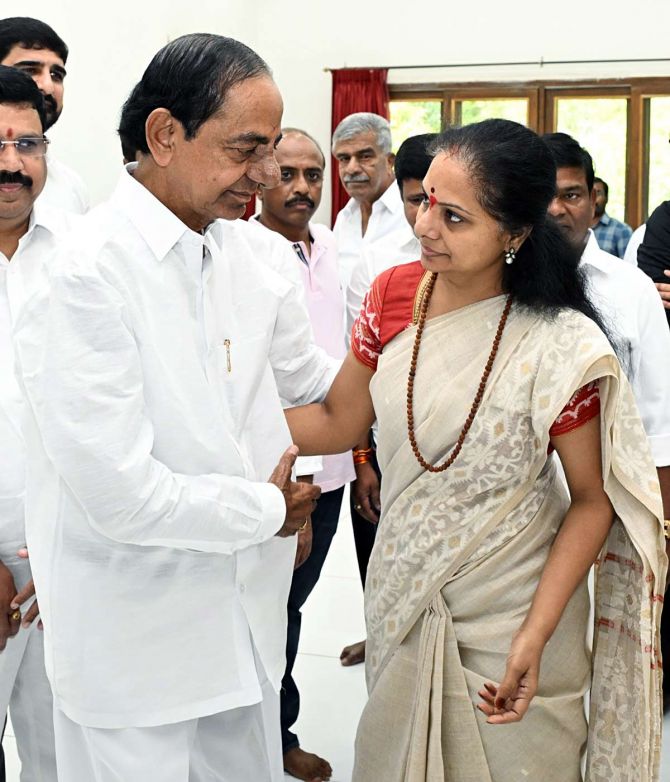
44, 81
300, 185
10, 160
556, 207
266, 172
352, 166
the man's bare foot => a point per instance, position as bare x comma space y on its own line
306, 766
354, 654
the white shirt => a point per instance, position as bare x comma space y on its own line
630, 305
319, 278
633, 243
64, 188
393, 250
387, 217
20, 277
153, 369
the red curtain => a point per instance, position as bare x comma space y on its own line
250, 211
355, 89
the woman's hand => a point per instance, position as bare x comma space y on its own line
366, 492
509, 701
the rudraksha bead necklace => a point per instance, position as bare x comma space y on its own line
478, 396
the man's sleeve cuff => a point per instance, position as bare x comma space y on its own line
273, 509
308, 465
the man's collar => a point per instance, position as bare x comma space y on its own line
390, 199
160, 228
593, 255
605, 219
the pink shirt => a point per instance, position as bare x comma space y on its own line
325, 305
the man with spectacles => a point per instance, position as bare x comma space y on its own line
34, 48
29, 233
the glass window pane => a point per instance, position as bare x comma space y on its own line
410, 117
600, 125
468, 111
659, 152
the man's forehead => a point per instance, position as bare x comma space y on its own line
16, 119
295, 151
19, 53
569, 178
358, 143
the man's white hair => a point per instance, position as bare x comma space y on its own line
364, 122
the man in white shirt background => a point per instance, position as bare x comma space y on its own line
153, 368
29, 233
628, 300
362, 147
33, 47
288, 209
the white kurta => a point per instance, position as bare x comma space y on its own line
387, 217
64, 188
152, 376
23, 684
630, 304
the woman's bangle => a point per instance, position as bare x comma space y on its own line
362, 455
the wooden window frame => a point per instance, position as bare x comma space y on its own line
542, 96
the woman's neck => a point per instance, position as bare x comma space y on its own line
452, 292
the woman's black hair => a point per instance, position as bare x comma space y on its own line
515, 179
18, 89
190, 77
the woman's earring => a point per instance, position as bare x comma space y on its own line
510, 256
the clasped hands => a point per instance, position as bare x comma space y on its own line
300, 497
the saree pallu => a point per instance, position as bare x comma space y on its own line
458, 556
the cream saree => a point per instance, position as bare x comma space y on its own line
458, 556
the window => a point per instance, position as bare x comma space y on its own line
624, 124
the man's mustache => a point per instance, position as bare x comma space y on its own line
15, 178
299, 200
350, 178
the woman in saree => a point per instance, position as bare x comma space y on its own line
483, 362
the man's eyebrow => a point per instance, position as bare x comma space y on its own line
252, 138
364, 151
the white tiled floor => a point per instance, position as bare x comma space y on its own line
332, 696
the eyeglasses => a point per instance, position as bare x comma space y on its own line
27, 146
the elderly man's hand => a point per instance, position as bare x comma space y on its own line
300, 497
10, 618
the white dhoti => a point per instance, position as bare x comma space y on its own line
25, 691
240, 745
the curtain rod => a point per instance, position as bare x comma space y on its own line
541, 62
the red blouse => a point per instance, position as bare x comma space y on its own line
388, 309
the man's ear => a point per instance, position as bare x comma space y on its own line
391, 159
592, 196
259, 192
161, 131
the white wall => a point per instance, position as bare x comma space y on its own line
111, 45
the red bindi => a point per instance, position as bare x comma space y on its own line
431, 198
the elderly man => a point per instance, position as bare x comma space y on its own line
288, 210
29, 234
627, 299
153, 367
362, 148
33, 47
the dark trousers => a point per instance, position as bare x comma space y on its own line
324, 525
364, 530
